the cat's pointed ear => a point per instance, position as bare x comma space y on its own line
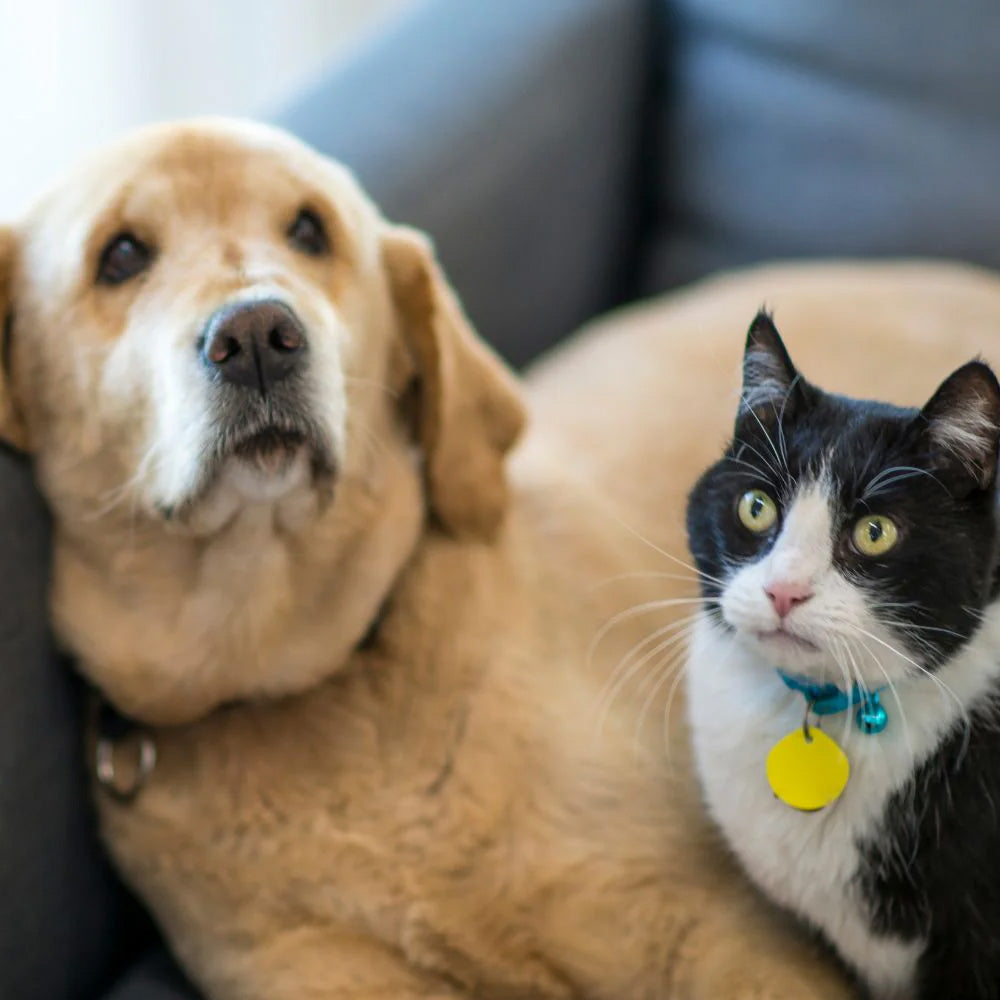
961, 425
770, 380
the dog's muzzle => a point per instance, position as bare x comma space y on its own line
256, 353
256, 357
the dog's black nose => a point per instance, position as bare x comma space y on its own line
254, 344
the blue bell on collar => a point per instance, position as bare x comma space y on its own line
871, 716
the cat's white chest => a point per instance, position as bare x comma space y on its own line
807, 862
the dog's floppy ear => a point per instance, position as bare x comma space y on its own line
470, 410
11, 426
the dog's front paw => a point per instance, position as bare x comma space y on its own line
782, 985
762, 960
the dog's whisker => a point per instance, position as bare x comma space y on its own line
373, 383
377, 448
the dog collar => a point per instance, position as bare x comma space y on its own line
828, 699
116, 734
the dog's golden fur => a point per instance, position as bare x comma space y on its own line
472, 803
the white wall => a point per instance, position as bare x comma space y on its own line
73, 73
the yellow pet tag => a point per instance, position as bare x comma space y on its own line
807, 770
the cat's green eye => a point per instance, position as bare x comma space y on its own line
875, 535
757, 511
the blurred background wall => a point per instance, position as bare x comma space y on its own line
73, 73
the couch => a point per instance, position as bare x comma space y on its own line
567, 156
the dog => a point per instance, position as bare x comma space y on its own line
371, 655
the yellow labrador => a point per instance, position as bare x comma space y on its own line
396, 753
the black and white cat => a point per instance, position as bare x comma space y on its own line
855, 544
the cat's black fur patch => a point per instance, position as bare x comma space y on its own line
934, 870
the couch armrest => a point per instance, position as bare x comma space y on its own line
510, 131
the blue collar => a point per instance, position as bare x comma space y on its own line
828, 699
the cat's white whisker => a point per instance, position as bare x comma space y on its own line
767, 436
781, 422
849, 678
778, 477
667, 555
655, 636
624, 675
679, 675
895, 474
682, 630
644, 574
894, 692
932, 676
756, 470
880, 605
913, 626
672, 666
638, 609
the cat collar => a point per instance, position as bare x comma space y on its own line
828, 699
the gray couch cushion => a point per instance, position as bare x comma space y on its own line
832, 127
509, 131
155, 977
57, 903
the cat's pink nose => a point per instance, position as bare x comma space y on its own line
787, 594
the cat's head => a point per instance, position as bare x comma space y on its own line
834, 531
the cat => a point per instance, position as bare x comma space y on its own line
854, 545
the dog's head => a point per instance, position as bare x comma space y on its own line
205, 307
210, 317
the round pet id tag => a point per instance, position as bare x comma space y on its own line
807, 770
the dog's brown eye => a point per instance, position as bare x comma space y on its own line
123, 257
307, 234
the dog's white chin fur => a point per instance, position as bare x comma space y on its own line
282, 481
267, 478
